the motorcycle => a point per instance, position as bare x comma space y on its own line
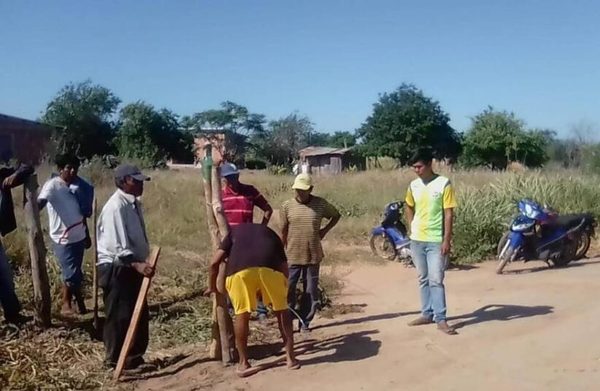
390, 239
541, 233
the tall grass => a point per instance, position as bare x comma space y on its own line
176, 220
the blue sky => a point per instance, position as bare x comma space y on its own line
326, 59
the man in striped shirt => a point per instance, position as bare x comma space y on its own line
301, 218
239, 199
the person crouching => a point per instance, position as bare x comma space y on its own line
256, 264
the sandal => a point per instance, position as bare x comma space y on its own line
446, 329
420, 321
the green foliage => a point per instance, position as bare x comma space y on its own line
405, 120
278, 169
497, 138
256, 164
234, 120
342, 140
151, 136
280, 143
485, 212
83, 114
333, 140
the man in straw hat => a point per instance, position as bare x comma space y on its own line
302, 233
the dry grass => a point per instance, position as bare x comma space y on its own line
175, 217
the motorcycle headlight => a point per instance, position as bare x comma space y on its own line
520, 227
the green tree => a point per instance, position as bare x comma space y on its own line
280, 143
83, 114
342, 139
405, 120
152, 136
234, 120
499, 137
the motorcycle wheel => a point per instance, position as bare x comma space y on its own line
502, 243
505, 256
568, 254
381, 246
583, 244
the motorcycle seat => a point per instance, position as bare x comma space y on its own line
573, 220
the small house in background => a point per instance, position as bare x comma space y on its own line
217, 142
328, 161
22, 139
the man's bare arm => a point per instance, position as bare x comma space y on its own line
267, 216
448, 223
213, 271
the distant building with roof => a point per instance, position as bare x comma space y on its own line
328, 161
22, 139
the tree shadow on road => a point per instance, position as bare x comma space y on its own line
501, 312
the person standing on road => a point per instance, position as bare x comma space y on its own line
301, 219
430, 202
256, 263
123, 250
9, 179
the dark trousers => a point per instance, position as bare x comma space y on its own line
8, 298
310, 282
121, 286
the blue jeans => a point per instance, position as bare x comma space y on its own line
430, 264
8, 298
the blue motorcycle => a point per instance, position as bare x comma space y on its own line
390, 240
539, 233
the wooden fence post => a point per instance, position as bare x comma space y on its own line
223, 345
37, 254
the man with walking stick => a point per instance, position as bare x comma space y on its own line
122, 265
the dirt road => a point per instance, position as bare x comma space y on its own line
532, 329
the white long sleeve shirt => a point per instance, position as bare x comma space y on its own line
121, 230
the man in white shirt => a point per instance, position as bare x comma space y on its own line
67, 229
122, 253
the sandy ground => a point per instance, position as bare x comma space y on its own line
531, 329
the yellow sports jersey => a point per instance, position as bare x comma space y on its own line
429, 201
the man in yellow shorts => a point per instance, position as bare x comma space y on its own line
256, 263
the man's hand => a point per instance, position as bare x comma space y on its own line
209, 291
323, 232
9, 181
143, 268
446, 247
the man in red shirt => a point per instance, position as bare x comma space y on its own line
239, 199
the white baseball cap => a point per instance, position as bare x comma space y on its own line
228, 169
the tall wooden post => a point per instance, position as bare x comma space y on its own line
37, 254
222, 345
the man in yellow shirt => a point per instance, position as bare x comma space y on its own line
430, 203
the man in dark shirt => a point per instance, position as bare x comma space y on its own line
256, 264
9, 178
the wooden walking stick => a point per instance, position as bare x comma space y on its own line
135, 318
95, 266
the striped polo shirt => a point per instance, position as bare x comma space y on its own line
239, 207
304, 223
